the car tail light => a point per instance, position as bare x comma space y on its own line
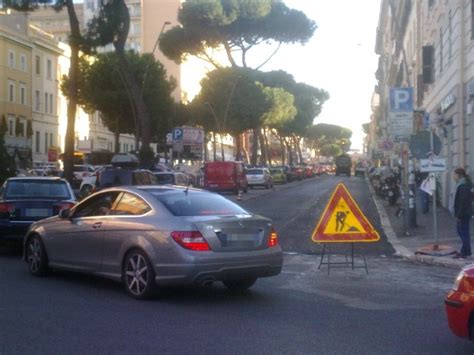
6, 208
191, 240
272, 239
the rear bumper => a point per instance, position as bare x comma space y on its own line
202, 269
13, 232
458, 313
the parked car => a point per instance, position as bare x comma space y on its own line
81, 171
161, 236
278, 176
298, 172
309, 171
24, 200
287, 169
259, 177
117, 176
360, 169
172, 178
225, 176
459, 304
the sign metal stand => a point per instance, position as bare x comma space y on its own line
346, 263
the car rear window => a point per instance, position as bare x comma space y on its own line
37, 189
194, 203
164, 178
255, 172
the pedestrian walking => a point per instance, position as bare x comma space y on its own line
463, 210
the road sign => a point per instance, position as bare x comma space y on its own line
420, 145
343, 222
177, 134
401, 125
432, 165
386, 145
401, 99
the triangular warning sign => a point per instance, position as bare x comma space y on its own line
342, 221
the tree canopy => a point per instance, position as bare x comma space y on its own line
235, 26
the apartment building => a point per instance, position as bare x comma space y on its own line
429, 45
15, 91
44, 94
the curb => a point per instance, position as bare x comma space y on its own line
403, 252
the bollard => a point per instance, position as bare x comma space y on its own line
412, 210
239, 195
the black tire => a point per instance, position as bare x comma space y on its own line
36, 256
239, 285
471, 327
139, 284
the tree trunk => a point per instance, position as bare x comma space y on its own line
238, 147
135, 90
72, 92
290, 152
214, 148
117, 141
296, 142
283, 151
222, 147
255, 146
263, 156
267, 146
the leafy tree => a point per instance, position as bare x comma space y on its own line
8, 163
101, 88
112, 26
234, 99
235, 26
324, 134
76, 43
331, 150
366, 127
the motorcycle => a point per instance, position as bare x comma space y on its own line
391, 190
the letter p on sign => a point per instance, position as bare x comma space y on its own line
401, 99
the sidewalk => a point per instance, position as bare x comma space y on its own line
421, 236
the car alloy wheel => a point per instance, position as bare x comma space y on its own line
138, 275
36, 256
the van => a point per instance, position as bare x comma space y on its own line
225, 176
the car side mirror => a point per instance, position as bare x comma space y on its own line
65, 213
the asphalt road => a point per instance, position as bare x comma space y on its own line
396, 309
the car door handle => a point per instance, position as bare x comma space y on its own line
97, 225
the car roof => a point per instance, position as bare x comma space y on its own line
52, 178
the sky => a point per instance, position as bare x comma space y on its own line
340, 58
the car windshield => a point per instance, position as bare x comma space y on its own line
255, 172
37, 189
196, 203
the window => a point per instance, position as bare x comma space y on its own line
51, 140
11, 59
21, 127
46, 142
130, 205
45, 102
450, 34
51, 108
431, 3
23, 62
38, 65
38, 189
23, 94
99, 205
37, 100
440, 50
11, 126
196, 203
11, 90
48, 70
37, 142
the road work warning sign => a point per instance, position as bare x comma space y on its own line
342, 221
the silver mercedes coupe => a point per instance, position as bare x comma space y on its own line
154, 236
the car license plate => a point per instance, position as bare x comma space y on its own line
213, 185
37, 212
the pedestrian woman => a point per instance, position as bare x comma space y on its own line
463, 210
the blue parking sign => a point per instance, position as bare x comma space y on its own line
401, 99
177, 134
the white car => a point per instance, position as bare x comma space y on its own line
259, 177
82, 171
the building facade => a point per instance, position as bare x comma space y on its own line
428, 45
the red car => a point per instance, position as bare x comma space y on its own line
225, 176
309, 171
460, 304
298, 172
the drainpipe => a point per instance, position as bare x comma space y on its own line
462, 118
